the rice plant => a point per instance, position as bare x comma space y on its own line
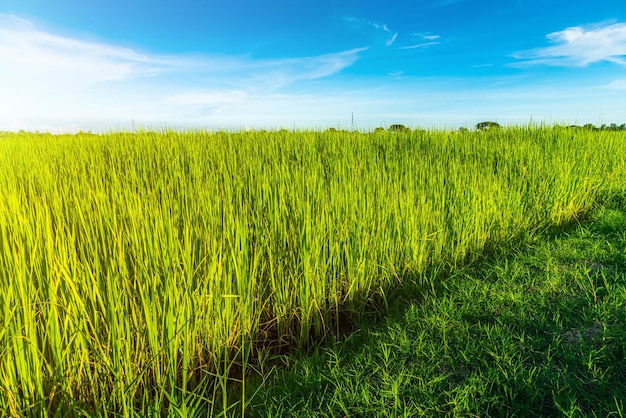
139, 271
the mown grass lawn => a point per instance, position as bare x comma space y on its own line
539, 333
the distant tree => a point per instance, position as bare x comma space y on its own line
398, 128
590, 127
622, 127
379, 129
463, 129
484, 126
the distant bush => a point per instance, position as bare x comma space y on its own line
613, 127
483, 126
379, 129
603, 127
398, 128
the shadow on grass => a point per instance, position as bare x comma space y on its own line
537, 333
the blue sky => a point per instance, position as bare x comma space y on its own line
69, 65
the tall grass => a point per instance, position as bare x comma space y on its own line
139, 270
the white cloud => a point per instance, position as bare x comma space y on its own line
25, 48
281, 72
376, 29
427, 36
53, 57
49, 80
392, 40
424, 40
443, 3
617, 85
422, 45
61, 83
577, 47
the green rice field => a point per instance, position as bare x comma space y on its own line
142, 274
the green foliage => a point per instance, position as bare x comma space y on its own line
398, 128
143, 273
535, 334
483, 126
603, 127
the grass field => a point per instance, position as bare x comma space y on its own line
145, 273
537, 333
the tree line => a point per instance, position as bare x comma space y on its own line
483, 126
603, 127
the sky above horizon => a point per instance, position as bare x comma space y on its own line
71, 65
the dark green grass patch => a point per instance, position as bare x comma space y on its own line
541, 333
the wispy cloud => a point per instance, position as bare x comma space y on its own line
376, 29
50, 81
282, 72
47, 77
426, 35
617, 84
24, 47
443, 3
578, 46
424, 40
422, 45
